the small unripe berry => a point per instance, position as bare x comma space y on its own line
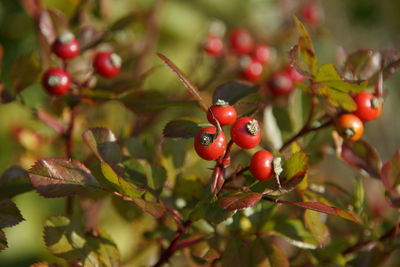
107, 64
66, 46
56, 81
246, 132
261, 166
208, 145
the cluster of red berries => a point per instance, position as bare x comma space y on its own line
210, 142
252, 57
57, 81
350, 125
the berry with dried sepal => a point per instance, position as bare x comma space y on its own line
107, 64
221, 111
350, 127
56, 81
66, 46
246, 133
208, 144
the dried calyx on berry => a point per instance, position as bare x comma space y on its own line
221, 102
207, 139
252, 127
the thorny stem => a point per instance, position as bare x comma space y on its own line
172, 248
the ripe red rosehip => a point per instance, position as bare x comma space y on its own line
252, 70
280, 83
213, 45
261, 165
207, 145
224, 113
246, 133
369, 107
107, 64
350, 127
241, 41
294, 75
311, 13
66, 46
56, 81
261, 53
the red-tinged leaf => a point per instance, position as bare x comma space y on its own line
61, 177
32, 8
14, 181
233, 91
390, 176
303, 53
186, 82
239, 201
318, 229
362, 156
9, 214
89, 37
52, 122
187, 242
322, 208
3, 240
103, 144
156, 210
60, 21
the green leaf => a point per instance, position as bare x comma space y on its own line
358, 198
119, 183
338, 98
239, 201
66, 240
156, 210
61, 177
318, 229
210, 211
182, 128
233, 91
3, 240
14, 181
159, 176
204, 251
186, 82
9, 214
362, 156
25, 71
138, 149
303, 52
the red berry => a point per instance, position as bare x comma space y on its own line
56, 81
261, 53
350, 127
209, 146
252, 70
214, 45
261, 166
241, 41
66, 46
294, 75
311, 13
246, 133
280, 83
224, 113
107, 64
369, 107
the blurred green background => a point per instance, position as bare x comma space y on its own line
352, 24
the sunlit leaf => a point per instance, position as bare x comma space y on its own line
318, 229
65, 239
233, 91
272, 132
204, 251
9, 214
338, 98
60, 177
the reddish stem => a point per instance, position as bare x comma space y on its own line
68, 151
